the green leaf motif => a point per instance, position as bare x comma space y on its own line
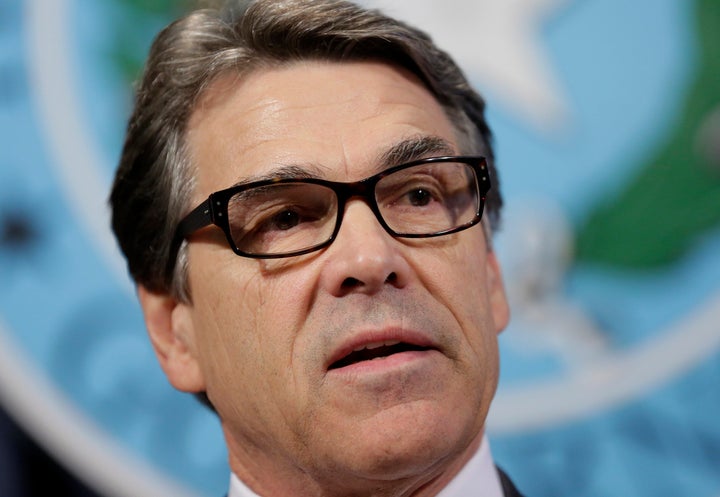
675, 198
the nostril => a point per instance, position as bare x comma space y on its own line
349, 283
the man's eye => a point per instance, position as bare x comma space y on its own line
419, 197
283, 220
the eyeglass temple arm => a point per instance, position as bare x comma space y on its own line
199, 217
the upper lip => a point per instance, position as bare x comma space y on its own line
377, 338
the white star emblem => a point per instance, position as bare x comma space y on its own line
498, 44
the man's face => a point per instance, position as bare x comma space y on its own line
266, 336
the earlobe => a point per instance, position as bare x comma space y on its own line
169, 324
498, 299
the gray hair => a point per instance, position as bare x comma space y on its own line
155, 180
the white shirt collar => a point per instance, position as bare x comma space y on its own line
477, 478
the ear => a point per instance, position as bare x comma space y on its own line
169, 323
496, 291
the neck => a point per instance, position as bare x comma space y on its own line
268, 479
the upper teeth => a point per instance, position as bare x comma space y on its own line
377, 345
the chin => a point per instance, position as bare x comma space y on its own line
409, 446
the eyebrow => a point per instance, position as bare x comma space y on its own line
414, 148
290, 171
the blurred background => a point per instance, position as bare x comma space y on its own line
607, 124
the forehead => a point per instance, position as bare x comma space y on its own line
334, 120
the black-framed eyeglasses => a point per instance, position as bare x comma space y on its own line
285, 217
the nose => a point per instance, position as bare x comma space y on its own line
364, 258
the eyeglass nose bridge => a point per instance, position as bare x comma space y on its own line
363, 190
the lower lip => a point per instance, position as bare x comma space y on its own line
388, 364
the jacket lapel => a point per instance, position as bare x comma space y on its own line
508, 488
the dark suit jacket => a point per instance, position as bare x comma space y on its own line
507, 486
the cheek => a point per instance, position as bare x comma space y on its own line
456, 274
222, 300
243, 347
252, 318
457, 277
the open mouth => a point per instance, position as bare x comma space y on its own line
373, 352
